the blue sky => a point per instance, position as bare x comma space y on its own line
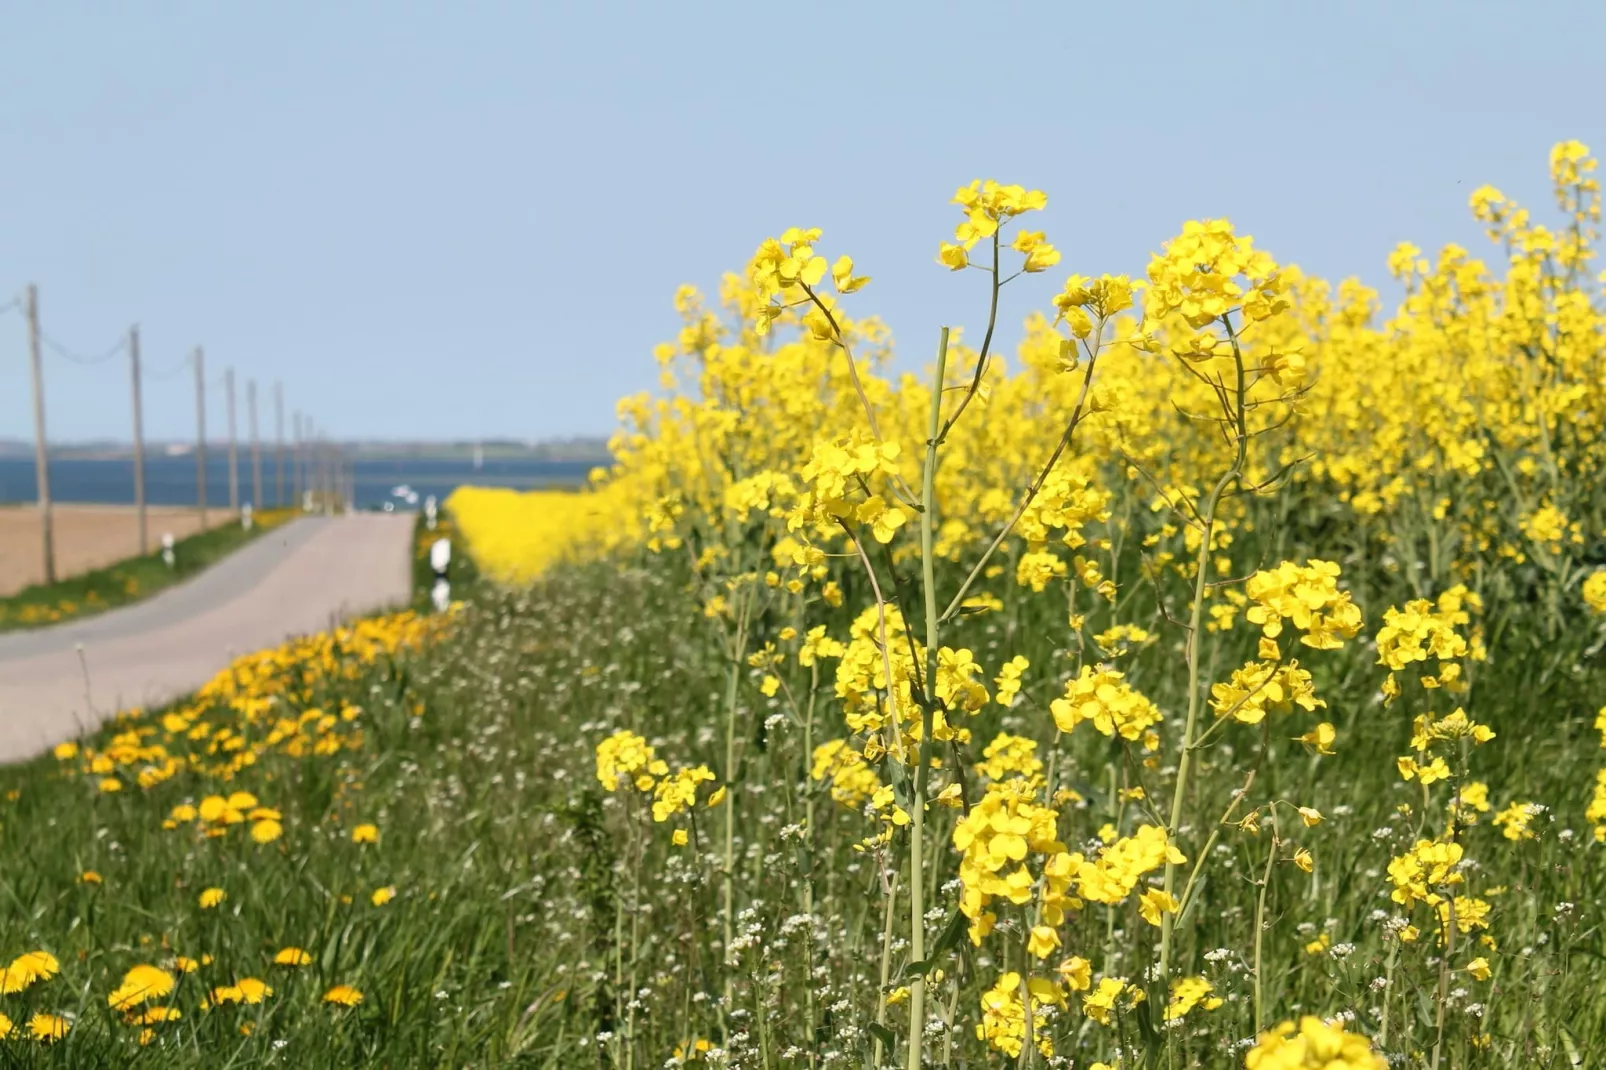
454, 220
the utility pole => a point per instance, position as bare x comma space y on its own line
278, 435
309, 458
139, 441
328, 480
41, 457
234, 454
295, 456
200, 433
256, 445
328, 471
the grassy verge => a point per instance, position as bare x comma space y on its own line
104, 862
130, 580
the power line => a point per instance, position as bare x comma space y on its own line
172, 372
15, 302
79, 358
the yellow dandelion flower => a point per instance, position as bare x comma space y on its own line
48, 1028
27, 969
344, 995
140, 983
252, 990
211, 897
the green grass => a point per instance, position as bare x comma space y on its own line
536, 912
131, 580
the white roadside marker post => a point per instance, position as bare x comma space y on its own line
440, 556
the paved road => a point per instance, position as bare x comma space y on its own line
56, 683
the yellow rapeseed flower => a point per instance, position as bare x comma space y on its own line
1313, 1045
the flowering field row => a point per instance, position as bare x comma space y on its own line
1216, 687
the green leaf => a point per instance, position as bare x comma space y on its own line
949, 936
909, 972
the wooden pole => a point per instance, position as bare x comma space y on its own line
200, 433
309, 455
278, 435
309, 460
256, 445
295, 457
40, 450
234, 445
139, 442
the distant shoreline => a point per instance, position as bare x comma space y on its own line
268, 452
591, 451
391, 480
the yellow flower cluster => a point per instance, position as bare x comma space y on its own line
1188, 993
1261, 687
677, 793
853, 780
1003, 1013
265, 699
1423, 872
1308, 597
1313, 1044
987, 206
1103, 698
625, 755
995, 841
1011, 756
217, 813
514, 536
1113, 875
1594, 591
